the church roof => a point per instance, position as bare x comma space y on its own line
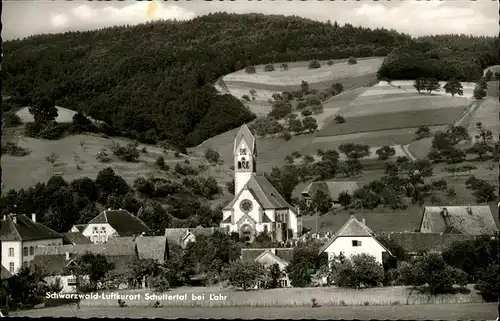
244, 134
264, 192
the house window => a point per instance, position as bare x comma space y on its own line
94, 239
32, 250
227, 229
266, 230
262, 284
283, 283
11, 252
356, 243
11, 267
95, 229
243, 151
25, 251
103, 228
71, 281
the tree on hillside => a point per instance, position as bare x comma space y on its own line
352, 61
155, 216
422, 132
295, 126
479, 92
485, 193
321, 203
314, 64
269, 67
488, 76
109, 183
284, 66
310, 124
419, 84
330, 62
482, 83
336, 89
496, 76
284, 179
212, 156
280, 109
52, 159
481, 149
431, 85
454, 87
457, 134
304, 87
486, 135
250, 70
43, 109
385, 152
354, 151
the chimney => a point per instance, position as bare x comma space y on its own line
33, 217
364, 221
469, 209
67, 256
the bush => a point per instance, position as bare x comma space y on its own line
212, 156
280, 109
54, 132
269, 67
339, 119
317, 109
103, 157
314, 64
250, 70
301, 105
488, 283
287, 136
245, 97
439, 185
284, 66
359, 270
12, 149
160, 162
128, 153
330, 62
352, 61
10, 119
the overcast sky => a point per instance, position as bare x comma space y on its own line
25, 18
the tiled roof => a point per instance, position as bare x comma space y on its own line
274, 258
380, 222
5, 274
330, 188
251, 254
51, 264
148, 247
245, 134
415, 242
479, 221
176, 235
207, 231
25, 229
122, 221
264, 192
75, 238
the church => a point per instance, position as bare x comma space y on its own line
257, 206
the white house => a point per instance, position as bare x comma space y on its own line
268, 257
354, 237
257, 206
111, 223
20, 237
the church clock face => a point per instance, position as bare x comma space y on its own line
246, 206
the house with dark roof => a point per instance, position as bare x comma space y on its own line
75, 238
57, 261
78, 228
20, 236
465, 220
267, 257
333, 189
182, 236
257, 206
354, 237
416, 243
112, 223
148, 247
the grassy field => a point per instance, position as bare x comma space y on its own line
23, 172
299, 71
397, 120
473, 311
407, 85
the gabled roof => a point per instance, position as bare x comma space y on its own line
206, 231
25, 229
352, 228
459, 220
273, 257
245, 134
330, 188
80, 227
264, 192
148, 247
122, 221
5, 274
251, 254
227, 220
75, 238
176, 235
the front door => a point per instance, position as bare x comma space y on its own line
247, 233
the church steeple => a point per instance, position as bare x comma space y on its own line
245, 153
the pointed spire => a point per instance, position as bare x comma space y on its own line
245, 134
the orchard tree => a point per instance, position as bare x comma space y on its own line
352, 61
419, 84
422, 132
481, 149
310, 124
355, 151
488, 76
280, 109
431, 85
321, 203
385, 152
359, 269
296, 126
484, 134
314, 64
284, 66
245, 275
479, 92
212, 156
304, 87
454, 87
269, 67
43, 109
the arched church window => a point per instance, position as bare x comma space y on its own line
247, 165
239, 165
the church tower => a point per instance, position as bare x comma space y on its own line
245, 154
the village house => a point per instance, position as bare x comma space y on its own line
333, 189
267, 257
111, 223
20, 236
147, 247
468, 220
354, 237
257, 206
75, 238
182, 236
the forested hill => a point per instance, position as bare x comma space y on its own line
154, 81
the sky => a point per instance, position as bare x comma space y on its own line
24, 18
